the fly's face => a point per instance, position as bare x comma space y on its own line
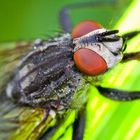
98, 51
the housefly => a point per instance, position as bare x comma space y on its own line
52, 78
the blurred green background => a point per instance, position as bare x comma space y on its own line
106, 119
29, 19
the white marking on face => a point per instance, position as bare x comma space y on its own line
104, 49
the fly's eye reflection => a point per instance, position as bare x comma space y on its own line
53, 75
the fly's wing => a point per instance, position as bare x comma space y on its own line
9, 57
15, 122
19, 122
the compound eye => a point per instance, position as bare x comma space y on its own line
85, 27
89, 62
86, 60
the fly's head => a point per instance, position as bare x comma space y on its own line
97, 51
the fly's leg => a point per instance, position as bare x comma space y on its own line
119, 95
64, 15
130, 35
47, 135
47, 118
79, 125
130, 56
50, 133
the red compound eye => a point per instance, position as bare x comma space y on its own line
86, 60
84, 28
89, 62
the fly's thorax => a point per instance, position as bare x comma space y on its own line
110, 51
46, 76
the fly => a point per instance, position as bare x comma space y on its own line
54, 74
